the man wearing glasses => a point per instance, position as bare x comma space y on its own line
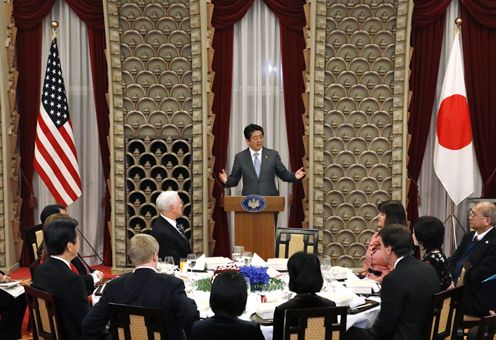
477, 253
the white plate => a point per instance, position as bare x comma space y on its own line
9, 284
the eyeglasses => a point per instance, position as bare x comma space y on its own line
473, 214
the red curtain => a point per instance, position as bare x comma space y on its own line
292, 20
479, 52
226, 14
426, 39
28, 15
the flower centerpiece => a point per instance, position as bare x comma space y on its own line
259, 279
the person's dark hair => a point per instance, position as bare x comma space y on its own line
394, 211
429, 232
58, 233
399, 238
229, 294
50, 210
250, 128
304, 273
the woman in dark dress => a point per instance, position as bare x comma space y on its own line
228, 301
428, 233
305, 279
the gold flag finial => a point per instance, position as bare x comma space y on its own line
458, 21
55, 25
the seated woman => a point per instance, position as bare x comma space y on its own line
305, 279
428, 233
228, 301
374, 266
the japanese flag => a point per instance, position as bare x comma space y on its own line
454, 153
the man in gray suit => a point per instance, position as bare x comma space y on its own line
258, 166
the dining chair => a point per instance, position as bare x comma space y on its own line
445, 315
315, 323
43, 314
136, 322
292, 240
487, 328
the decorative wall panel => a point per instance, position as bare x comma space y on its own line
362, 120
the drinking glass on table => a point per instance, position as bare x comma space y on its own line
236, 253
191, 261
246, 257
325, 268
169, 264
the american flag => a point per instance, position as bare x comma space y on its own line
55, 157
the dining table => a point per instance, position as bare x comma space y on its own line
261, 304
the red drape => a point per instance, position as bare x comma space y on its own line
292, 20
426, 39
226, 14
479, 52
28, 15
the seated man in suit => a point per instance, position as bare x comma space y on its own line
171, 238
228, 301
56, 277
477, 251
145, 287
78, 265
258, 166
406, 293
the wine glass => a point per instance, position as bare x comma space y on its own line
325, 268
169, 264
191, 260
248, 285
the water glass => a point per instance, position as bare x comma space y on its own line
236, 253
191, 261
248, 285
246, 257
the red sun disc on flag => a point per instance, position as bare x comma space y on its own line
453, 127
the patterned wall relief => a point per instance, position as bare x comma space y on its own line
361, 128
156, 77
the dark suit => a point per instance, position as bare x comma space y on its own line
171, 243
227, 328
299, 301
406, 297
145, 287
478, 298
11, 314
55, 277
270, 167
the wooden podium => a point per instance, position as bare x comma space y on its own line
255, 230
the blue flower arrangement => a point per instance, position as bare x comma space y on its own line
256, 275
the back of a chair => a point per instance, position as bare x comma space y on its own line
43, 314
446, 314
136, 322
292, 240
315, 323
487, 328
34, 235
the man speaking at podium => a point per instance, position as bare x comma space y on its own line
258, 166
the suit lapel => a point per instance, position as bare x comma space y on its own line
174, 232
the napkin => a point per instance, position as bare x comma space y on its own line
13, 288
257, 261
200, 263
278, 264
266, 310
218, 261
364, 286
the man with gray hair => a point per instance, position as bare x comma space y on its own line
171, 238
477, 252
145, 287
